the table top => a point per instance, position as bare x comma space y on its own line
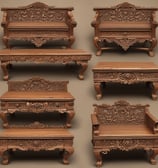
35, 133
44, 52
12, 95
110, 66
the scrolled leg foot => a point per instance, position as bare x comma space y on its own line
4, 118
5, 70
99, 52
70, 116
98, 156
5, 158
154, 90
153, 45
67, 153
152, 157
84, 65
97, 87
151, 54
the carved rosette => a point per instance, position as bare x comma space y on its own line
126, 77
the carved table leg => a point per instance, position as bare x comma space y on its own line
84, 65
97, 153
154, 90
4, 65
97, 86
4, 118
70, 115
99, 50
153, 155
5, 157
67, 152
153, 45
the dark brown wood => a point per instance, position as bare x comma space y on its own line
64, 56
125, 25
38, 23
125, 127
126, 73
35, 140
37, 95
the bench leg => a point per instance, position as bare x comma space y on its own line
84, 65
4, 118
153, 155
97, 86
4, 65
67, 153
99, 50
6, 42
97, 153
153, 45
70, 115
5, 157
154, 90
71, 41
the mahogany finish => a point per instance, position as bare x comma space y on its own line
35, 140
125, 73
125, 25
64, 56
36, 95
38, 24
124, 127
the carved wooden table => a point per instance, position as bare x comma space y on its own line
124, 127
35, 140
125, 73
80, 57
37, 95
125, 25
38, 23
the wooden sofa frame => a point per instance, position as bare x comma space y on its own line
125, 25
44, 96
38, 23
125, 127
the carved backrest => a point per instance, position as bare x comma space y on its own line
38, 84
37, 12
125, 12
121, 112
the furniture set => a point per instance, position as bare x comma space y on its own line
120, 126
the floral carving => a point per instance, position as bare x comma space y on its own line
125, 12
121, 112
37, 84
127, 144
126, 77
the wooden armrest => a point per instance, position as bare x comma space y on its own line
72, 20
94, 22
4, 19
95, 124
152, 122
155, 23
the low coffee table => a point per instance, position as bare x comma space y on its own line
64, 56
35, 140
125, 73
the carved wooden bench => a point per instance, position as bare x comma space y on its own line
125, 73
38, 23
12, 140
64, 56
36, 95
124, 127
125, 25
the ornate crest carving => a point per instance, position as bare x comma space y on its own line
121, 112
37, 84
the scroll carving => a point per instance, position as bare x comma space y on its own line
37, 84
126, 77
126, 144
126, 12
121, 112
